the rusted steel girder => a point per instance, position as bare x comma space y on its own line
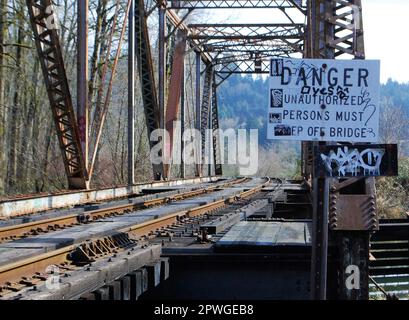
146, 77
205, 109
173, 102
82, 76
218, 169
177, 22
52, 65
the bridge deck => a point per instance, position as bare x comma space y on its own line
28, 247
260, 233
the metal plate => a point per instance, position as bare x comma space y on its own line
353, 212
369, 160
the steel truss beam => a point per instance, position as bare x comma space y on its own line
174, 96
52, 65
146, 77
243, 67
218, 169
246, 31
238, 4
344, 20
221, 77
251, 56
205, 109
252, 46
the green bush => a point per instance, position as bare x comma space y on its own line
393, 192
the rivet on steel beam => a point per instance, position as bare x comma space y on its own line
372, 209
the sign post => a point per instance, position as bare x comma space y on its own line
327, 100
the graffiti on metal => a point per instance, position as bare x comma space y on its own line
356, 161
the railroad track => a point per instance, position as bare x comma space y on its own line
23, 275
23, 230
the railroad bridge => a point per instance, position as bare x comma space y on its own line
205, 236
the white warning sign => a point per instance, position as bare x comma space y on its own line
324, 100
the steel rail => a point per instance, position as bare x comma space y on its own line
48, 225
27, 272
32, 267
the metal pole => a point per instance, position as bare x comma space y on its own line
131, 95
319, 255
198, 112
210, 140
82, 76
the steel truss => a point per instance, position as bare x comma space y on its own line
246, 31
243, 67
251, 62
340, 31
332, 28
262, 46
146, 77
206, 108
52, 65
215, 129
239, 4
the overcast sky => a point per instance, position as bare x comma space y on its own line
386, 25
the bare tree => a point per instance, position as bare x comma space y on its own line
394, 125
